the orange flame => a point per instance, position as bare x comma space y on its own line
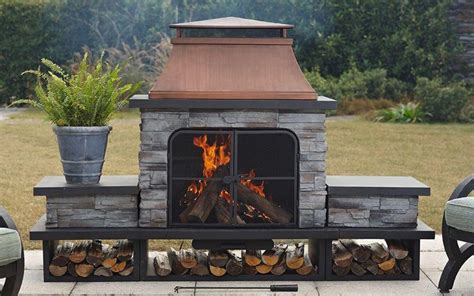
259, 189
226, 195
213, 155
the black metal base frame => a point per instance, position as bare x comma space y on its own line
319, 246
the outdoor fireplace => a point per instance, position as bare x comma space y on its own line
233, 177
232, 135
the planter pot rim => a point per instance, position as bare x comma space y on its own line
81, 129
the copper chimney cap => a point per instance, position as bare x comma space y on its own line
233, 68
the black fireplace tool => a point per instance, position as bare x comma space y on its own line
272, 288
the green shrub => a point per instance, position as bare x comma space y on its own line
352, 84
467, 113
395, 89
443, 102
87, 98
403, 113
375, 81
327, 87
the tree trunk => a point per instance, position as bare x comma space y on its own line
61, 255
406, 265
161, 263
371, 266
84, 270
397, 249
119, 266
103, 271
224, 214
217, 270
276, 214
187, 258
110, 258
56, 270
128, 269
234, 265
360, 253
253, 257
263, 268
357, 269
248, 269
271, 257
202, 267
341, 271
199, 210
125, 250
307, 267
218, 257
176, 266
280, 267
340, 255
71, 269
79, 252
96, 253
295, 256
387, 265
379, 253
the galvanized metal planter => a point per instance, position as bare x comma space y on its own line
82, 150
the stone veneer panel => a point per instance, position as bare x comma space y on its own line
92, 211
372, 211
157, 126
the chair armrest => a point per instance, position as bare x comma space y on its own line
464, 188
6, 220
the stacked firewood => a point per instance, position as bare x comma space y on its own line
376, 258
88, 258
277, 261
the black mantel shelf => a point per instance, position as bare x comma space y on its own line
322, 104
40, 232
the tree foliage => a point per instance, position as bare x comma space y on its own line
406, 38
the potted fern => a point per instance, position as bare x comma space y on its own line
80, 106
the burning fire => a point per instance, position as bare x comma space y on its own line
213, 156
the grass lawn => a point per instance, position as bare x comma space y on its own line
440, 155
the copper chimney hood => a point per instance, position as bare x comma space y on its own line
217, 60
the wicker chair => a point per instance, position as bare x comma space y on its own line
458, 225
12, 259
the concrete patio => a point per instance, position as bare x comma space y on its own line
433, 259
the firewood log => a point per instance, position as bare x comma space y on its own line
218, 257
119, 266
187, 258
199, 210
253, 257
202, 267
280, 267
79, 252
61, 254
371, 266
234, 265
103, 271
161, 263
110, 257
307, 267
84, 270
96, 253
250, 270
56, 270
379, 253
262, 268
71, 269
341, 271
176, 266
269, 208
340, 255
388, 264
406, 265
128, 269
223, 213
397, 249
125, 250
357, 269
217, 270
271, 257
360, 253
295, 256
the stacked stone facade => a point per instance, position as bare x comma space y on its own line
157, 126
92, 211
372, 211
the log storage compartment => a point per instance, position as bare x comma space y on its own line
91, 260
298, 260
234, 178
